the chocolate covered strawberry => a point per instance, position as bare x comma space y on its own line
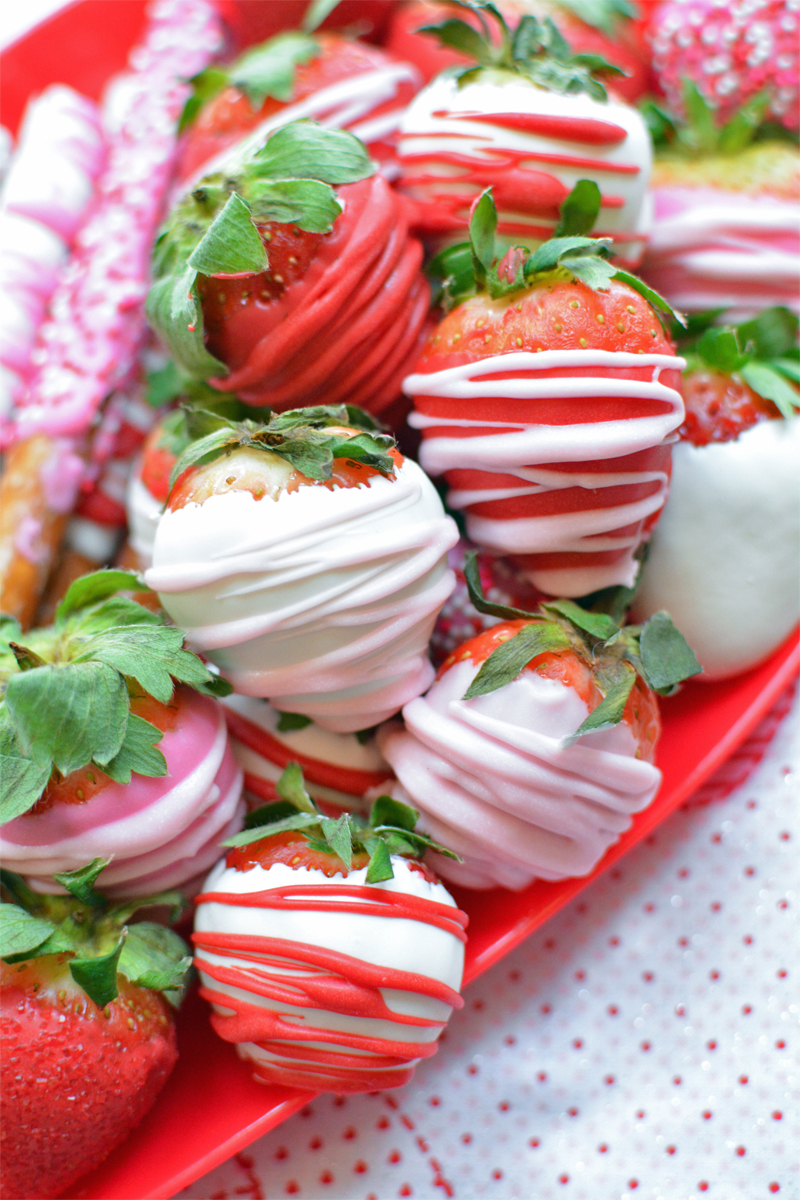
548, 399
332, 956
526, 120
87, 1033
290, 278
326, 77
724, 557
103, 755
726, 228
307, 558
535, 746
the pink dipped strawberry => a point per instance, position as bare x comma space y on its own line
331, 955
291, 277
103, 754
87, 1002
730, 52
536, 744
548, 398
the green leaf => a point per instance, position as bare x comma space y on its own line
452, 273
91, 589
482, 227
380, 864
743, 126
149, 654
527, 39
616, 681
660, 123
268, 814
602, 14
598, 624
164, 385
231, 245
80, 883
175, 312
155, 957
787, 366
204, 450
291, 787
316, 13
69, 714
304, 150
98, 976
506, 662
138, 753
21, 781
173, 898
472, 576
595, 272
652, 297
579, 210
667, 657
388, 811
269, 69
338, 836
721, 349
549, 254
771, 334
307, 203
205, 86
770, 384
299, 821
458, 35
114, 612
288, 721
701, 133
21, 934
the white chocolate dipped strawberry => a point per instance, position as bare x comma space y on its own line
535, 746
339, 768
308, 560
528, 120
549, 398
331, 956
724, 558
103, 756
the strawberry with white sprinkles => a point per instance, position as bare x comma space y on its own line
331, 955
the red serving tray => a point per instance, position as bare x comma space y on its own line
211, 1108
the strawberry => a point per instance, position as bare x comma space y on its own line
604, 29
523, 455
103, 755
287, 291
354, 86
489, 753
526, 119
284, 907
730, 52
344, 542
88, 1036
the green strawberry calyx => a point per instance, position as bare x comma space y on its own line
389, 829
461, 271
309, 438
214, 229
534, 49
762, 352
95, 935
700, 133
655, 651
66, 690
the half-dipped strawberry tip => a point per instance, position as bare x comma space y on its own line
103, 755
88, 1039
331, 955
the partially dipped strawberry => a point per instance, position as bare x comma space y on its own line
102, 754
307, 558
548, 397
290, 278
724, 559
525, 118
536, 744
87, 1034
331, 955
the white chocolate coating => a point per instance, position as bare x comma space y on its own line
517, 449
321, 602
488, 154
725, 558
400, 944
496, 783
713, 249
144, 513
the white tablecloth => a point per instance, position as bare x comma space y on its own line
643, 1044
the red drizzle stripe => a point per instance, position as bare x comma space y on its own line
572, 129
376, 903
565, 160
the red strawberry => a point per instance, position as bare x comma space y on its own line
719, 407
81, 1063
731, 52
253, 22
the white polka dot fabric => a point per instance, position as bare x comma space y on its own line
643, 1044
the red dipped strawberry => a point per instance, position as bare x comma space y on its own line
88, 1038
536, 744
331, 955
731, 52
253, 22
548, 399
288, 291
